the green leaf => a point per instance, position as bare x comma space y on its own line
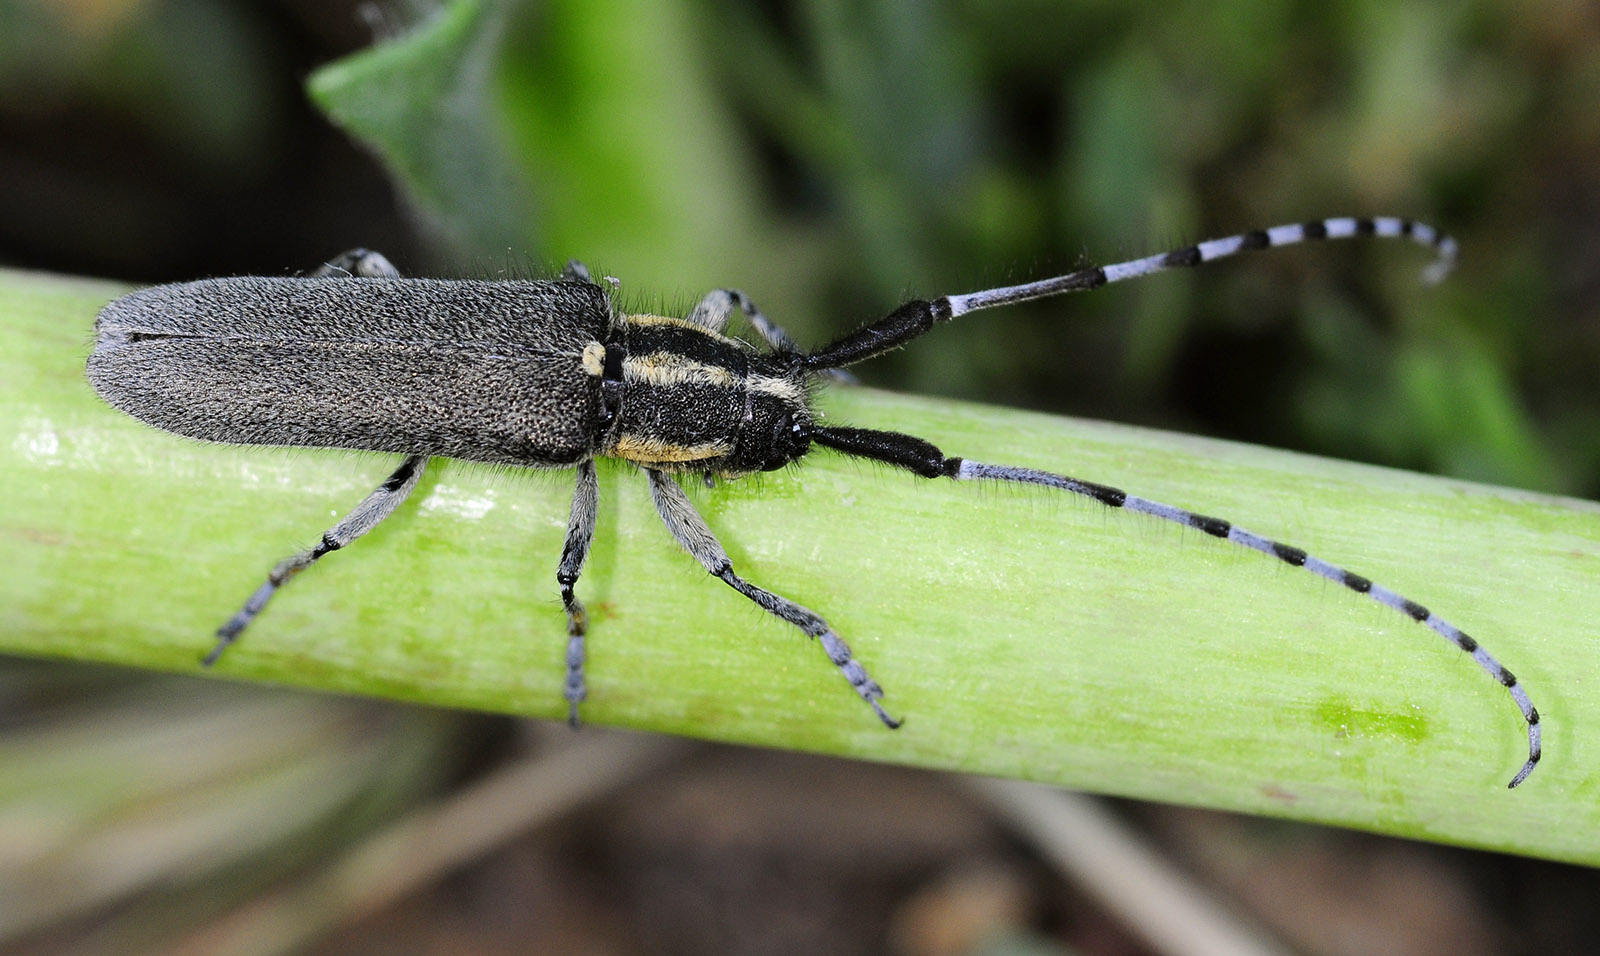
615, 114
1020, 632
420, 103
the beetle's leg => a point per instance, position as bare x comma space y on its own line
691, 532
372, 509
713, 312
718, 306
715, 308
580, 531
922, 458
358, 263
353, 263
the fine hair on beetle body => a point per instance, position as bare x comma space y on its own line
549, 373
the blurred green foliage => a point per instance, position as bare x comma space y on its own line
831, 158
422, 102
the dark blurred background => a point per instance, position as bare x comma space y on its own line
831, 158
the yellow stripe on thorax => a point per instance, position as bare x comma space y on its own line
654, 451
779, 388
668, 368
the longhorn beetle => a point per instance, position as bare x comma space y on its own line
547, 374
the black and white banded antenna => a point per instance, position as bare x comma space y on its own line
1385, 227
914, 454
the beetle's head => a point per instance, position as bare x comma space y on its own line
776, 424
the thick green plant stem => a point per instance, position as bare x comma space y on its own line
1021, 632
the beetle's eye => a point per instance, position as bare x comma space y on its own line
786, 444
783, 431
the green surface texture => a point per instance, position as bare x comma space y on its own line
1020, 632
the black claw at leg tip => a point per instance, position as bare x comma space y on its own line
215, 653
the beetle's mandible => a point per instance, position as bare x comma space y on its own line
547, 374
